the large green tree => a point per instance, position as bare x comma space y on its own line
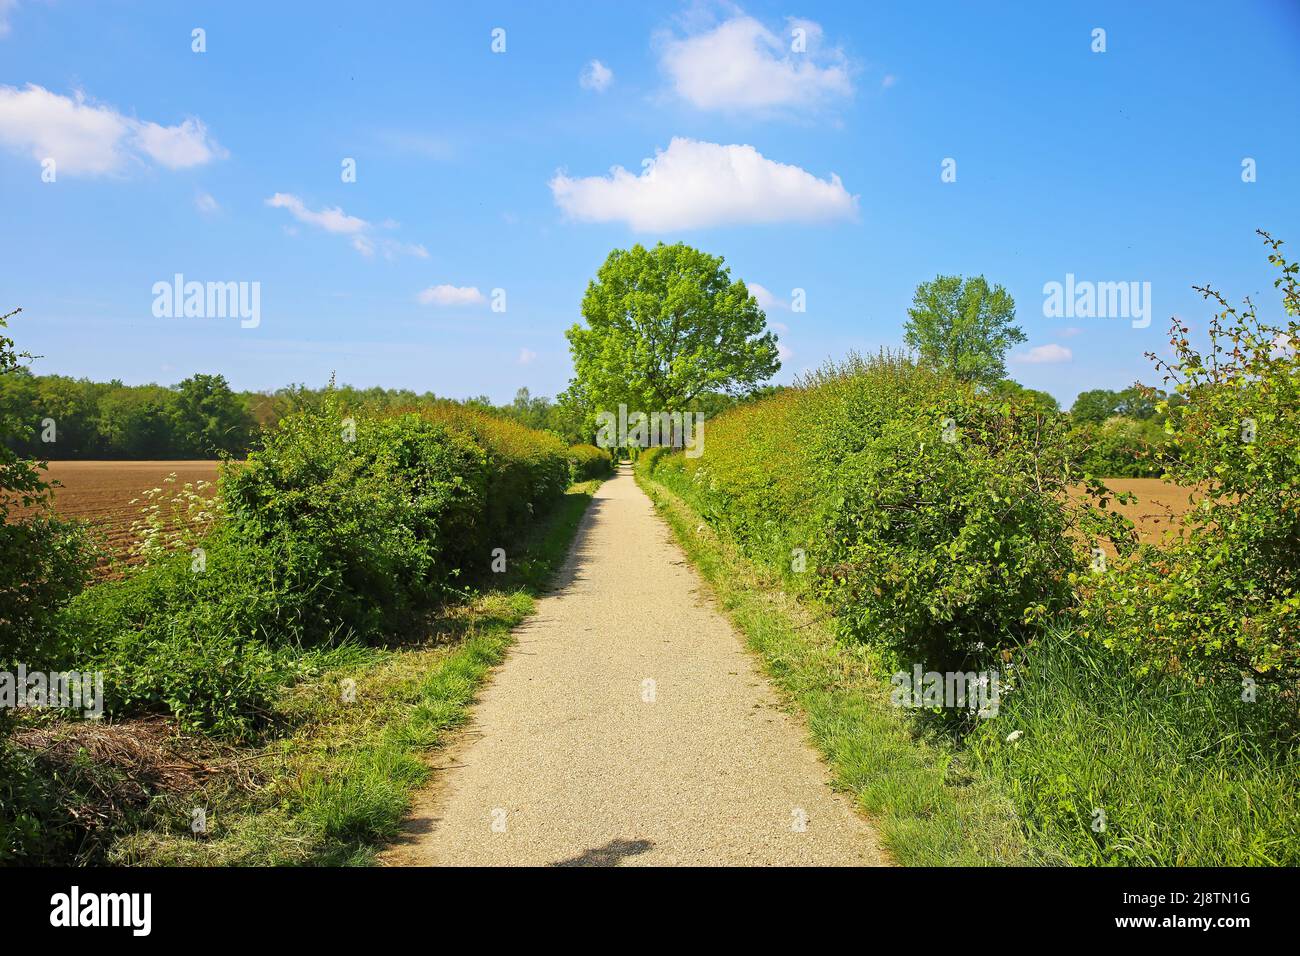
665, 326
963, 327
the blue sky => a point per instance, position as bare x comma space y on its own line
816, 169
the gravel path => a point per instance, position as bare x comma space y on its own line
630, 726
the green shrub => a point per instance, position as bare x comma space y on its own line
587, 462
359, 513
1224, 597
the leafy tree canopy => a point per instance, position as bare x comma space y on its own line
666, 325
963, 327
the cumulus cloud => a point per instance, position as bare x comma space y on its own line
597, 76
741, 65
693, 185
205, 203
526, 356
86, 138
1045, 355
450, 295
333, 219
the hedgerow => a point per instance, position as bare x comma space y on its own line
588, 461
933, 517
338, 529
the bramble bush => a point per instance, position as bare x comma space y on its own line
933, 516
1225, 595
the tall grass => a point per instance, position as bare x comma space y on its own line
1111, 767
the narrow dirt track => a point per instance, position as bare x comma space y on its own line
574, 758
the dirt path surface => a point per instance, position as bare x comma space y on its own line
629, 726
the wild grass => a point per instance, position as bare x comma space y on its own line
339, 779
1157, 770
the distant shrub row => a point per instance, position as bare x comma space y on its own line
338, 528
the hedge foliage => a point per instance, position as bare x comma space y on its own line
1224, 597
933, 516
588, 461
338, 529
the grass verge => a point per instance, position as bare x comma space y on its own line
929, 806
1114, 768
337, 779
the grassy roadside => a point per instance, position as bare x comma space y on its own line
929, 807
338, 779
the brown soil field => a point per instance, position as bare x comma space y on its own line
101, 492
1158, 506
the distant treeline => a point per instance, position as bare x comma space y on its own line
57, 417
202, 417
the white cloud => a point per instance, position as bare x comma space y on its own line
85, 138
692, 185
205, 203
1069, 333
447, 295
782, 352
331, 219
334, 220
742, 65
178, 147
888, 81
766, 300
1045, 355
597, 76
526, 356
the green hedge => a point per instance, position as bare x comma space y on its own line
339, 529
934, 518
587, 462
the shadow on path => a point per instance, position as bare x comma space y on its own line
611, 854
